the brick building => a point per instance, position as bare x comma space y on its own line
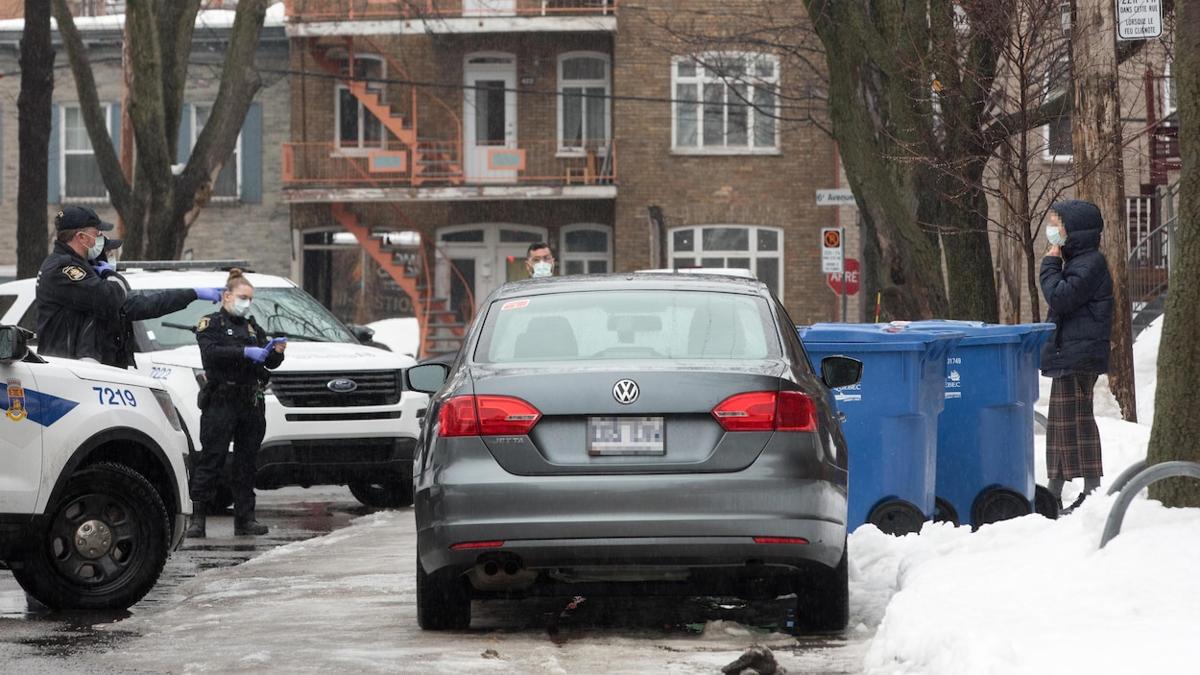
245, 219
432, 141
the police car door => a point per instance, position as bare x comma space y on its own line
20, 438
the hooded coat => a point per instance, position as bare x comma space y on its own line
1079, 292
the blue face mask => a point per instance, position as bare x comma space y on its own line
1055, 235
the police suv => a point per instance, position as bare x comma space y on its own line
337, 413
93, 485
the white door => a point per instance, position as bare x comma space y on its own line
21, 439
489, 7
489, 115
481, 258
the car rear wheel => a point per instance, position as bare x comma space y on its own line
103, 545
389, 493
823, 599
443, 601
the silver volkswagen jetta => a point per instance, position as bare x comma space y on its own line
632, 434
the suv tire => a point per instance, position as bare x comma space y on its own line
823, 599
122, 524
394, 493
443, 601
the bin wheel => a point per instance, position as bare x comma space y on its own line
997, 504
1045, 503
897, 517
944, 512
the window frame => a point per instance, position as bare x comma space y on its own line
237, 148
338, 88
565, 255
752, 252
700, 79
606, 142
1167, 90
63, 152
1044, 130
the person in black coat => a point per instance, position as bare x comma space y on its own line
1078, 288
237, 358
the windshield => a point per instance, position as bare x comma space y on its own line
286, 312
602, 325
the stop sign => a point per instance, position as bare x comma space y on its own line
835, 280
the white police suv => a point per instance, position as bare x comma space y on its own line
93, 485
337, 413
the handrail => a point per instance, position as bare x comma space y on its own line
394, 65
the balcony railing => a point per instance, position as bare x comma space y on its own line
448, 163
343, 10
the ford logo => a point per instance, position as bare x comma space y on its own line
342, 385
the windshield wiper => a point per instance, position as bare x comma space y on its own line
179, 326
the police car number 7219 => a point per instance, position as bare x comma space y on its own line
110, 396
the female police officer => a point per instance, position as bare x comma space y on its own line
236, 355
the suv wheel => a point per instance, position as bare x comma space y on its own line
392, 493
103, 544
823, 600
443, 601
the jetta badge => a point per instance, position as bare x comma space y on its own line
342, 385
625, 391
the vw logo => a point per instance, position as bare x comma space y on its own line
342, 385
625, 391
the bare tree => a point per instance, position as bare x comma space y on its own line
33, 112
157, 206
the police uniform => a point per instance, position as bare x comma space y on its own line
231, 406
72, 298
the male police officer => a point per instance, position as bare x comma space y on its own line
72, 296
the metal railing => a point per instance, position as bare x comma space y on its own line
1149, 263
349, 10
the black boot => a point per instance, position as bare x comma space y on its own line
196, 523
248, 526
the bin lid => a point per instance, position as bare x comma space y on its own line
980, 333
874, 337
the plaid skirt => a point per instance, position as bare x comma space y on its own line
1072, 438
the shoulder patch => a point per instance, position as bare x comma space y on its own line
202, 324
74, 272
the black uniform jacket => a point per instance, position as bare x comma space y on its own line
223, 338
116, 337
71, 301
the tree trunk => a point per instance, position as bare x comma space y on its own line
1176, 424
1096, 136
969, 264
33, 137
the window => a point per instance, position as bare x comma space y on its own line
81, 178
357, 127
586, 249
1057, 134
229, 179
759, 249
584, 87
725, 103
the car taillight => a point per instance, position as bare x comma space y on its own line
767, 411
487, 416
780, 540
474, 545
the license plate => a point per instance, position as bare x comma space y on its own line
625, 435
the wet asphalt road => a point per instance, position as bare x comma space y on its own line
34, 639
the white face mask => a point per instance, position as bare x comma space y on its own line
241, 307
542, 269
97, 248
1055, 236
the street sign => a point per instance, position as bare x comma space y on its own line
1139, 19
839, 197
832, 250
835, 280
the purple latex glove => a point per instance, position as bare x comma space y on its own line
274, 341
213, 294
256, 354
103, 268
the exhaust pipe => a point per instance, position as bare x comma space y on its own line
501, 571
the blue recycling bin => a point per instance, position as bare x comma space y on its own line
985, 464
890, 417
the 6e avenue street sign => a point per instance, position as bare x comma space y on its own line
1139, 19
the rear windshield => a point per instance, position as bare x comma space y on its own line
612, 325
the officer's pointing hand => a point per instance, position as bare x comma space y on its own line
213, 294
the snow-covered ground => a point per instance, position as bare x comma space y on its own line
1038, 596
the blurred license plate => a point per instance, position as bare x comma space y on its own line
625, 435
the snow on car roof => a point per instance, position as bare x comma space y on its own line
197, 279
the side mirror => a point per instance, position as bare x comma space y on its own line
427, 378
840, 371
12, 344
363, 334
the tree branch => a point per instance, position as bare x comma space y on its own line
1020, 121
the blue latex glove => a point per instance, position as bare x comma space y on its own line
213, 294
274, 341
256, 354
102, 268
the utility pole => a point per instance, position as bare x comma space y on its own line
1096, 140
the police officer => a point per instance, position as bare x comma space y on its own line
73, 297
236, 355
116, 338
